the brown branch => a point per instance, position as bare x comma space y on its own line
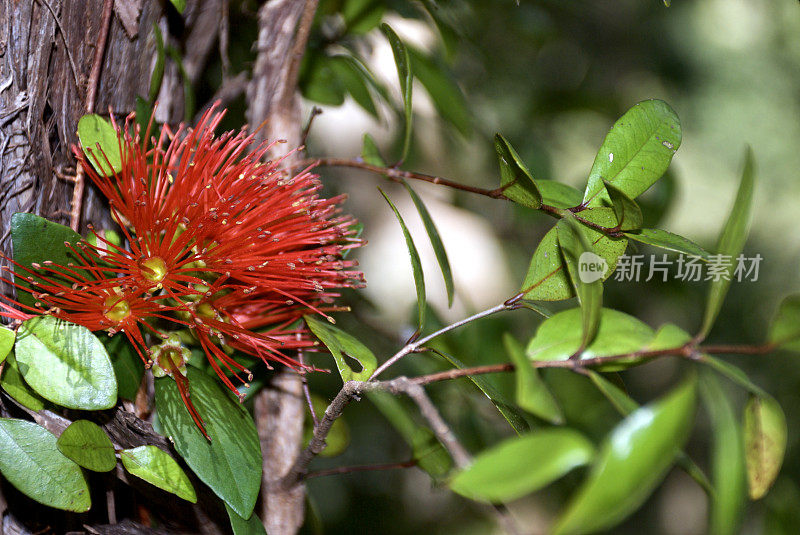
360, 468
91, 95
297, 53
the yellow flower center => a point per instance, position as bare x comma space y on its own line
116, 308
153, 269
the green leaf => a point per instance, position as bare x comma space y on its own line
128, 367
727, 459
731, 242
88, 445
784, 331
7, 338
230, 463
370, 152
352, 79
734, 374
669, 241
547, 280
436, 242
514, 418
180, 5
558, 194
319, 82
521, 465
16, 387
765, 443
30, 460
360, 16
629, 215
416, 264
577, 253
631, 462
403, 63
668, 336
532, 393
342, 345
450, 36
241, 526
636, 152
560, 336
93, 130
37, 240
447, 97
515, 176
426, 448
159, 469
66, 364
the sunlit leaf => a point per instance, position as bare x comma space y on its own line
159, 469
66, 364
532, 393
521, 465
416, 264
629, 215
765, 443
631, 463
370, 152
436, 243
30, 460
93, 130
88, 445
636, 152
343, 345
727, 459
666, 240
558, 194
731, 242
515, 176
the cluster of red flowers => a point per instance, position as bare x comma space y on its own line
218, 241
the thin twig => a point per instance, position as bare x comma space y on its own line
91, 95
360, 468
297, 52
414, 346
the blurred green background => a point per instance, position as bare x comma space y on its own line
552, 77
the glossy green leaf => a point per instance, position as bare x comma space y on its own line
521, 465
514, 418
93, 130
159, 469
427, 450
731, 242
532, 393
436, 243
629, 215
631, 462
88, 445
636, 152
588, 285
30, 460
404, 74
668, 336
342, 345
7, 338
784, 331
625, 405
765, 443
727, 459
547, 280
36, 241
558, 194
16, 387
416, 264
128, 366
352, 79
370, 152
230, 463
515, 177
66, 364
734, 374
560, 336
447, 97
241, 526
667, 240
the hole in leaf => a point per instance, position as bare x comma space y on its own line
353, 363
